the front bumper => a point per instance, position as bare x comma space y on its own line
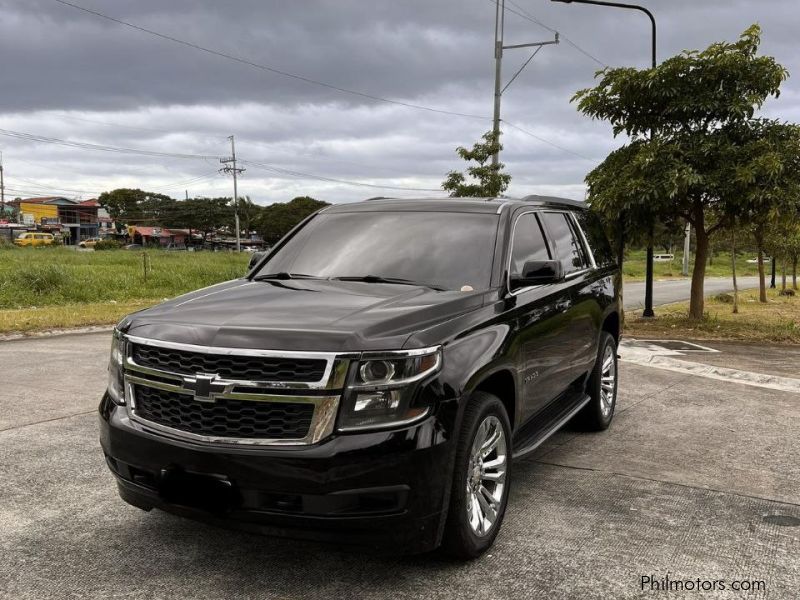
378, 489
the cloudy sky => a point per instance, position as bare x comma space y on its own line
74, 76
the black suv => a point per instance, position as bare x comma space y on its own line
374, 376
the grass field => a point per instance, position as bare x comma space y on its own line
776, 321
50, 288
61, 287
720, 266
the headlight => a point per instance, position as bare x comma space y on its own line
116, 386
383, 389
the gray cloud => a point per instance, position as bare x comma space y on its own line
74, 76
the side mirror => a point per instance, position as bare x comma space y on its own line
257, 256
538, 272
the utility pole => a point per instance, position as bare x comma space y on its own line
230, 167
499, 26
2, 189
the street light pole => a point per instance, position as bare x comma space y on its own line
648, 286
499, 26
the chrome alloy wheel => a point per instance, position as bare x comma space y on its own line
486, 475
608, 382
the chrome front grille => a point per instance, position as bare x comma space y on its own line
233, 395
256, 368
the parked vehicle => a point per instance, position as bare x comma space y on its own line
35, 239
663, 257
89, 242
375, 378
133, 247
754, 261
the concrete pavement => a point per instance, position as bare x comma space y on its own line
694, 479
667, 291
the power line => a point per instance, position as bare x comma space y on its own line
250, 63
99, 147
274, 169
267, 68
546, 141
88, 146
42, 188
52, 188
131, 127
521, 12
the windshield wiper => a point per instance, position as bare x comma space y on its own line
395, 280
283, 275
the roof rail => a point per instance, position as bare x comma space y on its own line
379, 198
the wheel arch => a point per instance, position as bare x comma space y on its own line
500, 383
611, 325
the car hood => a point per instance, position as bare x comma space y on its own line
303, 315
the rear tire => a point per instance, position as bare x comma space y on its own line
601, 388
480, 478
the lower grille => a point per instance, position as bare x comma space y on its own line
225, 417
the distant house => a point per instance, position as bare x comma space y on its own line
157, 236
75, 220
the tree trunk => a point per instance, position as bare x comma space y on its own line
794, 273
696, 301
762, 283
783, 274
733, 267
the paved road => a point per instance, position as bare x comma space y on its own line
677, 290
681, 483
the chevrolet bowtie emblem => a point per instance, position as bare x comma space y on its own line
205, 387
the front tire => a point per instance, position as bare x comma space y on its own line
601, 387
480, 479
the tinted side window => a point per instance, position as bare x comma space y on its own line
596, 236
568, 248
528, 243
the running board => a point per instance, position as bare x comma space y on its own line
542, 435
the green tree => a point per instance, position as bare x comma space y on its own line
783, 244
207, 215
762, 178
483, 180
683, 119
135, 205
248, 211
276, 220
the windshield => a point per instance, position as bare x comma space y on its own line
439, 249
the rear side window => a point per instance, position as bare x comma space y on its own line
596, 236
569, 249
528, 243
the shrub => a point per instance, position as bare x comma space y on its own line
108, 245
724, 298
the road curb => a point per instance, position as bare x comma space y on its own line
13, 337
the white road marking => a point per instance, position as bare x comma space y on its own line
652, 355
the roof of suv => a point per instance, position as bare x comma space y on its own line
478, 205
